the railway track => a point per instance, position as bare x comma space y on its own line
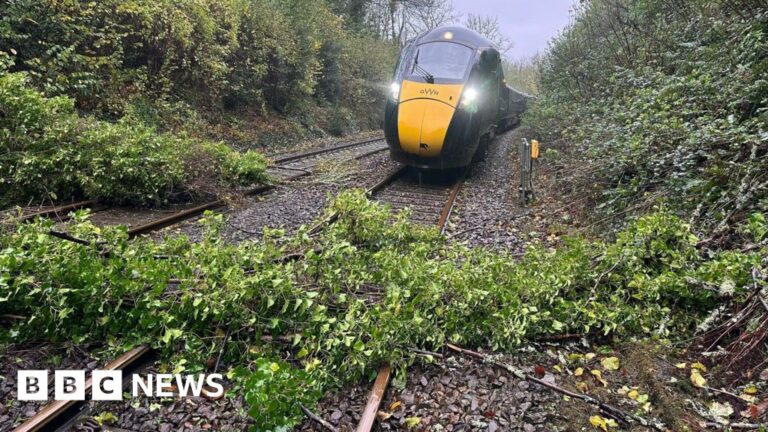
286, 168
431, 200
429, 196
61, 415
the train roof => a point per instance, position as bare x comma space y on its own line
456, 34
521, 93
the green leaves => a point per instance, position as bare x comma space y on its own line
275, 392
51, 152
372, 289
676, 114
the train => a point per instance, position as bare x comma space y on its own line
448, 99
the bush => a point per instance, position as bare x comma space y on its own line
287, 56
48, 151
669, 102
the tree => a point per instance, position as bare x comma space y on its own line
489, 27
402, 20
523, 74
426, 15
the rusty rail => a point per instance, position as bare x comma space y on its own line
173, 219
54, 211
192, 212
197, 210
374, 399
55, 413
189, 213
445, 214
372, 152
303, 155
376, 395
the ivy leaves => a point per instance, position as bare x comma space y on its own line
275, 392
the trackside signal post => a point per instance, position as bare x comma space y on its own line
529, 151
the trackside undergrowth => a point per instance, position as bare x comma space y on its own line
49, 152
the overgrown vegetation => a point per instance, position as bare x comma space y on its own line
666, 101
98, 95
365, 291
47, 150
296, 58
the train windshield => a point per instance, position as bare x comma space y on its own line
442, 60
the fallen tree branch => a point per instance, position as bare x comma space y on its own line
221, 351
312, 416
426, 353
605, 408
65, 236
562, 337
745, 313
746, 426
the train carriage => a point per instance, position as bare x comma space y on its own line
448, 96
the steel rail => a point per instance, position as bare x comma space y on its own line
374, 399
55, 413
195, 211
445, 214
376, 394
306, 154
306, 171
188, 214
54, 211
372, 152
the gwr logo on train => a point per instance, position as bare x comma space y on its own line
430, 92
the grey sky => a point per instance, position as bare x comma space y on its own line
528, 23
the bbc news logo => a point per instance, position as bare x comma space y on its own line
107, 385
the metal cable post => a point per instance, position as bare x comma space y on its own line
525, 171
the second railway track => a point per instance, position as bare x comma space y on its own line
286, 168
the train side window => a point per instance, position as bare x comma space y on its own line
405, 59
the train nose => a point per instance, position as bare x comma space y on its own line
422, 126
424, 114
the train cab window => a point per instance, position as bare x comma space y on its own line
405, 59
441, 60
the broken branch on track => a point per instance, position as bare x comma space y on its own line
67, 237
314, 417
608, 410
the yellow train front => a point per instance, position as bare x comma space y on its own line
448, 97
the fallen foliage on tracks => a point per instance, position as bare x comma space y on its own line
366, 291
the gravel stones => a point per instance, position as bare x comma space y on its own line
14, 358
487, 208
299, 202
456, 394
189, 414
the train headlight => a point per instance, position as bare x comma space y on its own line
394, 91
469, 97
